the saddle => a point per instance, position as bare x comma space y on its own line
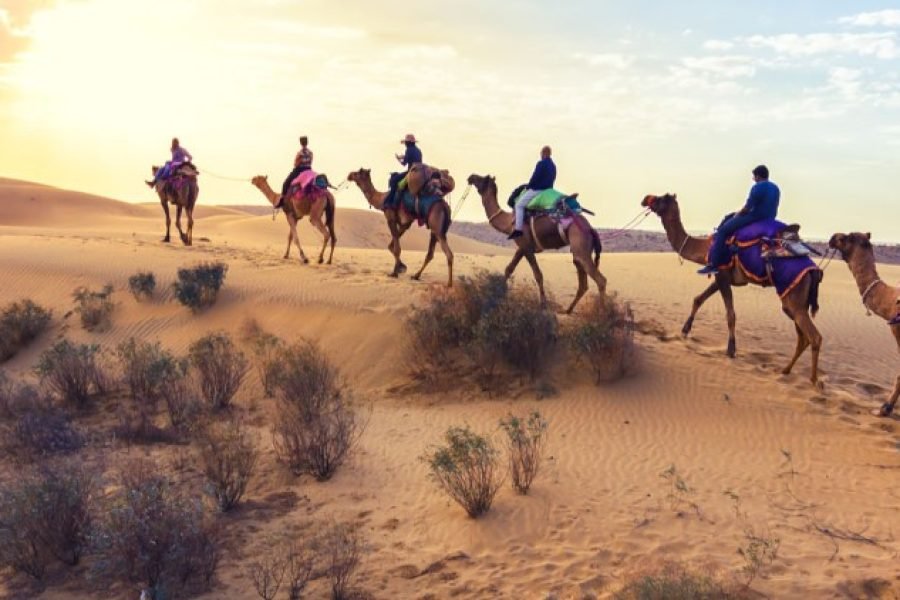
429, 180
776, 240
310, 185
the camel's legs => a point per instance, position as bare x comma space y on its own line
806, 325
888, 407
397, 230
511, 267
165, 206
595, 274
293, 224
728, 298
287, 251
582, 286
333, 238
445, 246
538, 276
698, 302
181, 233
190, 226
318, 224
802, 343
428, 255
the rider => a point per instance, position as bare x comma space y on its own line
180, 156
761, 204
302, 162
543, 178
397, 182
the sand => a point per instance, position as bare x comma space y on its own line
600, 509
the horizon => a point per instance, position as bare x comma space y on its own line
634, 99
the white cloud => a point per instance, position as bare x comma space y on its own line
724, 66
718, 45
847, 82
881, 18
423, 52
609, 60
879, 45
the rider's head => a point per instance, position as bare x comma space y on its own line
546, 152
175, 143
304, 141
761, 173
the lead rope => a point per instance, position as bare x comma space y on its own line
462, 200
865, 295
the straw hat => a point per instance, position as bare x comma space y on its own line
409, 139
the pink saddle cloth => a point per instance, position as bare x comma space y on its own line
304, 179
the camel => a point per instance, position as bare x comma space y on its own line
399, 221
297, 207
800, 304
183, 197
544, 233
877, 296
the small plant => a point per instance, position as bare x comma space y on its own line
674, 582
186, 412
267, 350
679, 490
42, 430
228, 456
267, 573
316, 426
525, 439
198, 287
20, 323
602, 337
301, 561
94, 308
467, 468
73, 372
340, 549
221, 368
142, 285
759, 553
147, 370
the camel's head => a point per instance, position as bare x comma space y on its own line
259, 180
660, 204
360, 175
848, 243
482, 183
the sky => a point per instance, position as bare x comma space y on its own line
635, 97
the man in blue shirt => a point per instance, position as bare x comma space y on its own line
761, 204
397, 182
543, 178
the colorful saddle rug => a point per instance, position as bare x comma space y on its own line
758, 254
309, 184
420, 208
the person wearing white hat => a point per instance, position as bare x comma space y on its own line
397, 181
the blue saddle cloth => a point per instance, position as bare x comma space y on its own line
425, 204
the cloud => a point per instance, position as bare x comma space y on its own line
424, 52
880, 45
730, 67
718, 45
15, 18
609, 60
881, 18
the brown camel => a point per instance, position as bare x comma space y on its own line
800, 304
544, 233
399, 221
298, 207
183, 196
877, 296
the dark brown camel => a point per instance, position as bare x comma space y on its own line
183, 197
398, 221
543, 233
800, 304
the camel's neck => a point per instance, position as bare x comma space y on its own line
268, 192
498, 218
880, 298
688, 247
373, 196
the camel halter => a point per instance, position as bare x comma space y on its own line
681, 249
866, 293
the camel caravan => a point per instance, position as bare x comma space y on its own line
749, 247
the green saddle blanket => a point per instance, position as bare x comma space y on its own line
545, 200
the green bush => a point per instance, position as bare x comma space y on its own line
73, 372
674, 582
602, 337
94, 308
525, 439
467, 467
228, 456
142, 285
198, 287
147, 371
220, 366
20, 323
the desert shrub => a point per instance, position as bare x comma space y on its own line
525, 439
316, 426
759, 553
186, 412
267, 573
300, 562
674, 582
94, 308
73, 372
221, 368
467, 468
46, 516
42, 430
142, 285
340, 549
153, 535
14, 397
146, 372
198, 286
602, 337
20, 323
228, 456
266, 353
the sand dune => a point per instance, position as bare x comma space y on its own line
600, 510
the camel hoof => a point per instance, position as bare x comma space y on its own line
688, 325
321, 260
395, 275
732, 351
787, 371
819, 385
167, 240
885, 410
417, 277
401, 268
305, 261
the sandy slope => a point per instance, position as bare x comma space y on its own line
600, 510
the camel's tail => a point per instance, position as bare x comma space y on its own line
813, 299
447, 218
598, 247
329, 216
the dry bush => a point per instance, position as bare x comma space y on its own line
467, 468
73, 372
20, 323
228, 456
602, 337
267, 350
147, 370
142, 285
42, 430
267, 573
340, 549
674, 582
759, 554
155, 536
187, 414
221, 368
301, 560
525, 439
94, 308
198, 286
316, 426
46, 516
